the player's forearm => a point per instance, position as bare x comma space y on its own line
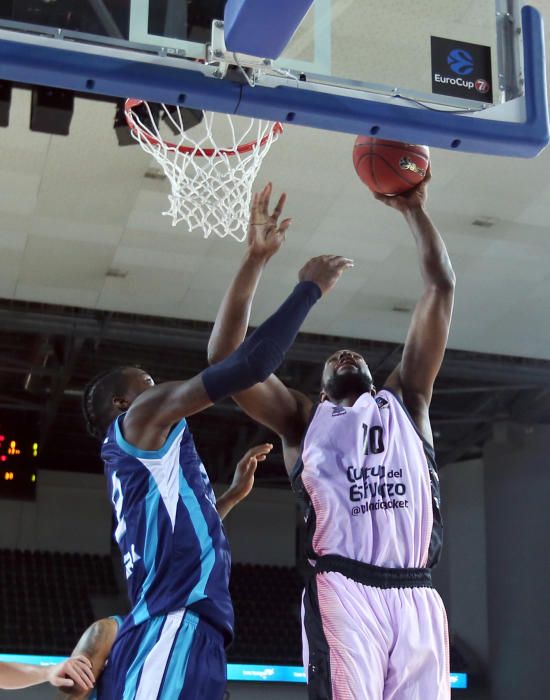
435, 264
226, 502
15, 676
263, 352
234, 313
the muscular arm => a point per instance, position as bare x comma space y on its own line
429, 328
95, 644
264, 238
233, 316
150, 417
271, 402
14, 676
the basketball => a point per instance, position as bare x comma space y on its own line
390, 167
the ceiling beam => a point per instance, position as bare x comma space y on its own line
508, 373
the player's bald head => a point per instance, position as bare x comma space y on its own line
345, 374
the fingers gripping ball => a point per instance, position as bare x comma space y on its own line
390, 167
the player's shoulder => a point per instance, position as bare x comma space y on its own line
390, 401
110, 439
384, 399
117, 447
414, 414
388, 398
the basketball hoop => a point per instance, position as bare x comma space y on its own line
211, 186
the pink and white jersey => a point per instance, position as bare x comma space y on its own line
370, 485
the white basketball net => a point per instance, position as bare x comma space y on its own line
211, 186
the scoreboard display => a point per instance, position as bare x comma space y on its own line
18, 465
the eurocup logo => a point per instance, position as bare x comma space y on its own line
482, 86
461, 62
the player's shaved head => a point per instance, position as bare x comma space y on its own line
345, 375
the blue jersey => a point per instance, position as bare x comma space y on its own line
171, 538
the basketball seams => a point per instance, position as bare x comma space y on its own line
372, 171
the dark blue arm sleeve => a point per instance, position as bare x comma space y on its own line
263, 351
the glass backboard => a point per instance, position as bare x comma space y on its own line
480, 58
348, 43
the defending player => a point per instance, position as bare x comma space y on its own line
95, 645
168, 530
364, 464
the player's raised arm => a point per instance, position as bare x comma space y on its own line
271, 403
265, 237
429, 329
150, 415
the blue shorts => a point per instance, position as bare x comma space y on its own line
171, 657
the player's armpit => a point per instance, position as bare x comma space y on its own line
283, 410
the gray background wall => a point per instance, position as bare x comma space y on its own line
461, 577
517, 508
71, 513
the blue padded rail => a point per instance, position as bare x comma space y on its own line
39, 64
121, 74
262, 28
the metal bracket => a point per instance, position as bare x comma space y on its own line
509, 55
251, 67
216, 53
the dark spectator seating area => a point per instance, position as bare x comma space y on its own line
45, 598
45, 605
267, 610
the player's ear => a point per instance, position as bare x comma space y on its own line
121, 403
322, 396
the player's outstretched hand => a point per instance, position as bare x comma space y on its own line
265, 233
324, 270
412, 199
243, 480
75, 672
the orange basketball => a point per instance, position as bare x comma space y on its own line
390, 167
